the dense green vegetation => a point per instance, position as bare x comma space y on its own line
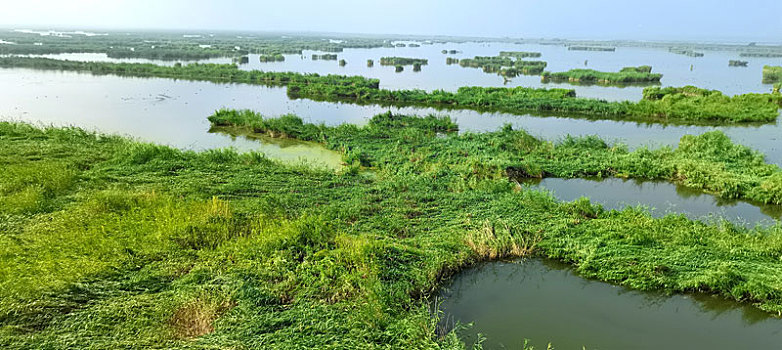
674, 106
370, 63
502, 65
519, 54
272, 58
324, 57
710, 161
761, 54
399, 68
194, 71
111, 243
628, 75
737, 63
772, 74
591, 48
241, 60
402, 61
342, 62
182, 46
686, 52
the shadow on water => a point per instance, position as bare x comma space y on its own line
546, 301
661, 197
288, 150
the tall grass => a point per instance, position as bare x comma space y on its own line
145, 246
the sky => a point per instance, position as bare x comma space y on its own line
714, 20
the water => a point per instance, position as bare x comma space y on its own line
710, 71
662, 198
174, 112
545, 301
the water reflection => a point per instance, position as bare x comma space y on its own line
546, 301
662, 198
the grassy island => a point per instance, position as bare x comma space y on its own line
141, 245
628, 75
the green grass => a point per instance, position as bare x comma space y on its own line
628, 75
127, 244
772, 74
271, 58
402, 61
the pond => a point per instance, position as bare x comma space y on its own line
545, 301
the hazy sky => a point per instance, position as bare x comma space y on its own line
599, 19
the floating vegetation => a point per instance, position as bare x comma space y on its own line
241, 60
228, 73
761, 54
772, 74
271, 58
519, 54
674, 106
342, 62
628, 75
591, 48
413, 45
504, 66
402, 61
400, 45
370, 63
737, 63
639, 69
324, 57
451, 60
399, 68
416, 67
452, 52
686, 52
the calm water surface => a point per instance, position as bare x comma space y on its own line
661, 197
545, 301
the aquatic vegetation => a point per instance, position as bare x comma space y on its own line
451, 60
241, 60
370, 63
680, 107
761, 54
399, 68
452, 52
737, 63
140, 245
772, 74
416, 67
628, 75
413, 45
519, 54
324, 57
504, 66
342, 62
591, 48
686, 52
709, 161
272, 58
194, 71
402, 61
